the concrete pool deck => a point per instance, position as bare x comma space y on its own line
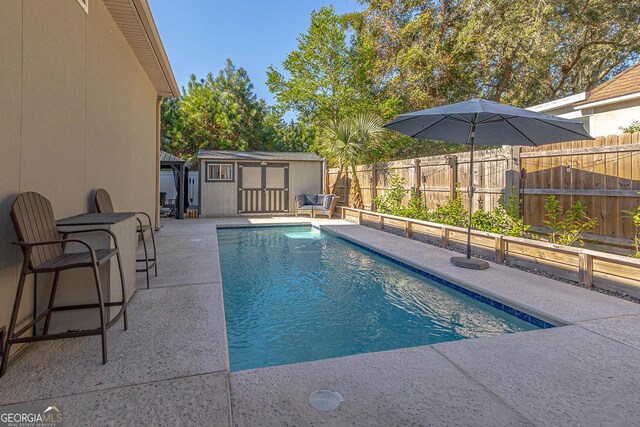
172, 368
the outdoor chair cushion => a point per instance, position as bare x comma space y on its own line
320, 200
307, 207
300, 200
311, 199
326, 202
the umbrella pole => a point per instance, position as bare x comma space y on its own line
468, 262
470, 192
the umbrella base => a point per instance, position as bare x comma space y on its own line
471, 263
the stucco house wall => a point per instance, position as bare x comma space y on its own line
605, 109
607, 119
77, 112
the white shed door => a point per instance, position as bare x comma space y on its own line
263, 187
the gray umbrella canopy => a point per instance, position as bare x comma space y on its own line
495, 124
486, 123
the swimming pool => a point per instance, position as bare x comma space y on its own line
297, 294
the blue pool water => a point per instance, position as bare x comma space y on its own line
295, 294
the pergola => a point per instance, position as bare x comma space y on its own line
180, 173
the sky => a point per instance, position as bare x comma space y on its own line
199, 35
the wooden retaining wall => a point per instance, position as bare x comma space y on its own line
585, 266
604, 174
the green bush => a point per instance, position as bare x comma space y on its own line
512, 206
498, 221
505, 219
567, 226
390, 202
416, 208
452, 212
632, 128
634, 214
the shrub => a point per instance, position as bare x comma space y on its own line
567, 226
416, 208
505, 219
452, 212
390, 202
634, 215
498, 221
512, 206
633, 127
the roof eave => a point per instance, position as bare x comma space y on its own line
559, 103
134, 18
627, 97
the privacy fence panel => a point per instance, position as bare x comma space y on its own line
604, 174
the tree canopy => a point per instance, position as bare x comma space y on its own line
223, 112
396, 56
434, 52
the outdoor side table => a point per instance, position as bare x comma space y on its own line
76, 286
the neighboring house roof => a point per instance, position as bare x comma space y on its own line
258, 155
135, 21
560, 103
169, 158
624, 84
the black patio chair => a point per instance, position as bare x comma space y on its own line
43, 247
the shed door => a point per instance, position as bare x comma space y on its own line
263, 187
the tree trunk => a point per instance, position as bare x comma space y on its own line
334, 187
356, 191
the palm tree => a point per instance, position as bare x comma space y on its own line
345, 144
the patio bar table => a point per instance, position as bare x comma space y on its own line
76, 285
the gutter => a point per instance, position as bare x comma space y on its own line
615, 100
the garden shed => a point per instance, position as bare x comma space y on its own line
255, 182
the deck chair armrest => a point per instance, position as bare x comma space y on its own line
30, 245
90, 230
147, 215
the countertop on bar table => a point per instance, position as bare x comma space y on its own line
95, 219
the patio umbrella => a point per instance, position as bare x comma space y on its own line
485, 123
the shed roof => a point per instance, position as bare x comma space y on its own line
169, 158
625, 83
258, 155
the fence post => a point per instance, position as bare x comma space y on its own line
512, 173
409, 229
381, 222
585, 270
453, 176
500, 249
374, 185
445, 237
359, 217
416, 177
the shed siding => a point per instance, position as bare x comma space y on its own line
221, 198
305, 177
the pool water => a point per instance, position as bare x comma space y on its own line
296, 294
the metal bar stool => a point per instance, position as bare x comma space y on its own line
43, 250
104, 205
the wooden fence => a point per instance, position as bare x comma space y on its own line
585, 266
603, 173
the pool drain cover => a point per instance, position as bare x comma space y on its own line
325, 400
